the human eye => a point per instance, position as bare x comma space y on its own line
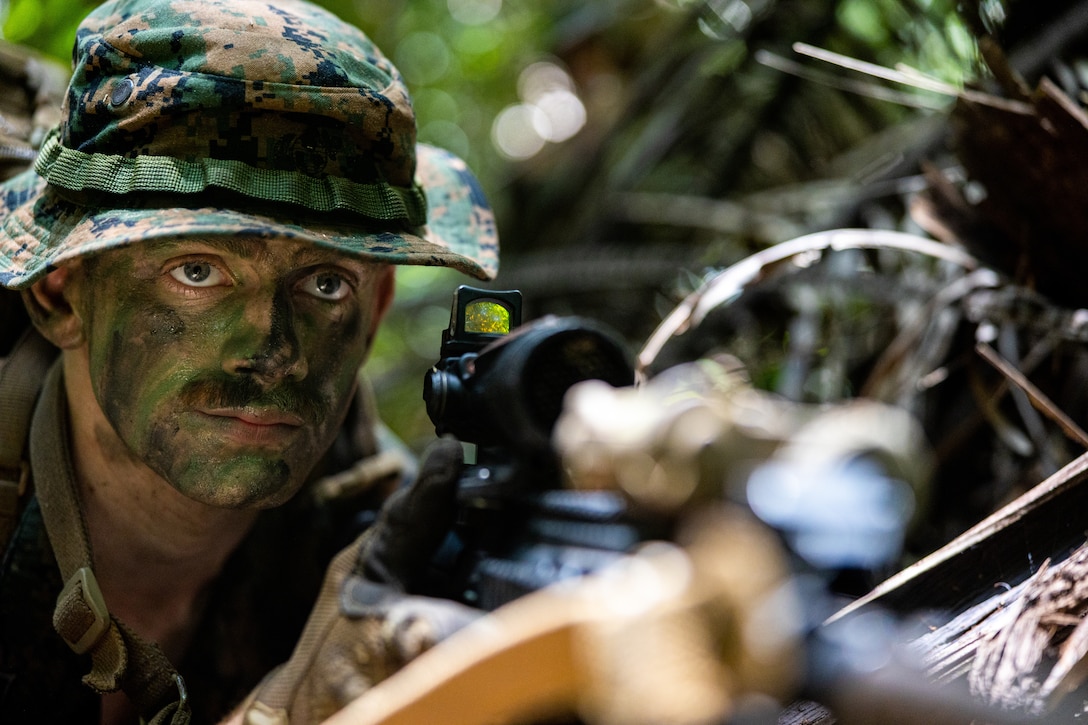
326, 285
198, 273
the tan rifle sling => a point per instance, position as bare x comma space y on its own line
121, 660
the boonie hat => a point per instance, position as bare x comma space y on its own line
211, 118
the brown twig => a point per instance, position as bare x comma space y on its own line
1037, 397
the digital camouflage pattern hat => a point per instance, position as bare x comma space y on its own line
263, 118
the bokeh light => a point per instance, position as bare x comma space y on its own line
550, 112
474, 12
516, 133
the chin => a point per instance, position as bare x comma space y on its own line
239, 486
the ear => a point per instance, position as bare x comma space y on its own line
383, 296
48, 302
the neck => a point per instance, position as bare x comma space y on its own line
155, 551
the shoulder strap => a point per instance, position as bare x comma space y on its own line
21, 377
120, 659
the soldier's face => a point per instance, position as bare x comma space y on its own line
227, 366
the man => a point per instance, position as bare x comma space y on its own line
207, 238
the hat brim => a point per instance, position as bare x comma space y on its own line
40, 229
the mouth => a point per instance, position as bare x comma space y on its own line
254, 426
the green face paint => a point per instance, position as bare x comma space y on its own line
227, 366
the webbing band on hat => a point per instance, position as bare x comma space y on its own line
78, 171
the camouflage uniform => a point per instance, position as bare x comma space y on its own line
220, 118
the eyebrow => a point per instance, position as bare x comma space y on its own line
238, 246
258, 247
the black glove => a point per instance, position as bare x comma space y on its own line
414, 521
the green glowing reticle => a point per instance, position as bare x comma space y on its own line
487, 316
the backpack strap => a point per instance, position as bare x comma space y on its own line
21, 377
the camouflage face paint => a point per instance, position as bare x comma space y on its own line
227, 366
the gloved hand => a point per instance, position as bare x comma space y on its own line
364, 626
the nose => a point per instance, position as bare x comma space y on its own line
264, 343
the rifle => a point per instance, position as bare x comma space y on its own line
499, 388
